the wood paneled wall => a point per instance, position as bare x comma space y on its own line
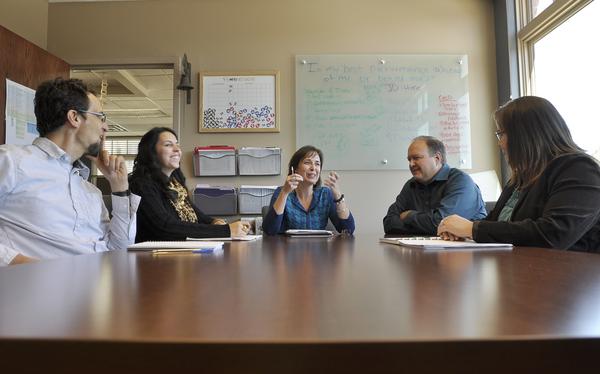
25, 63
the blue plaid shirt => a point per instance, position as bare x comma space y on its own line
322, 208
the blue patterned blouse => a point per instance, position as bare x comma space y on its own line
322, 208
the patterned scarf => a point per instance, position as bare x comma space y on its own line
182, 205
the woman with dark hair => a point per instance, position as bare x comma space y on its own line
553, 196
302, 203
166, 211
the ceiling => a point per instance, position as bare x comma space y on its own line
136, 99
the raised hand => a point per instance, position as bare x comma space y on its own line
332, 182
291, 183
113, 168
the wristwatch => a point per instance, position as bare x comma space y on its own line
122, 193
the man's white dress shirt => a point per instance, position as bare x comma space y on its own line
48, 209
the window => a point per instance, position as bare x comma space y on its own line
537, 6
125, 146
135, 98
559, 61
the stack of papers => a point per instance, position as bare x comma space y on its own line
177, 246
308, 233
435, 243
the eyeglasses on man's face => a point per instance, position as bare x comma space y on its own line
100, 115
499, 134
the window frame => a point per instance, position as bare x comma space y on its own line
533, 29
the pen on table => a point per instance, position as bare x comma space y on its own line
200, 250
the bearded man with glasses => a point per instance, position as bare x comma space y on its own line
48, 209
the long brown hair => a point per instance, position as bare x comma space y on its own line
535, 134
147, 166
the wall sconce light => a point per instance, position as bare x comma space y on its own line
185, 84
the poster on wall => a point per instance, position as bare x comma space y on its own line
21, 127
239, 102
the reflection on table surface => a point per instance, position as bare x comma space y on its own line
305, 289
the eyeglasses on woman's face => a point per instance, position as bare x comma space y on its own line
499, 134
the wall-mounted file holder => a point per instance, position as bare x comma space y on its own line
259, 161
253, 198
214, 161
216, 200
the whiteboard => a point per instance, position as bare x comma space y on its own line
362, 111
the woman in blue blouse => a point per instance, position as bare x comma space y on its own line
302, 203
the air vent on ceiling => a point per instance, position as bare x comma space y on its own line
115, 127
136, 113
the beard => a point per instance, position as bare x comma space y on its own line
93, 150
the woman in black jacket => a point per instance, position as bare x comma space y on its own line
166, 211
553, 196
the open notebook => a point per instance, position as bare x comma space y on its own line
176, 245
435, 243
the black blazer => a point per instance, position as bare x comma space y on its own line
560, 210
157, 219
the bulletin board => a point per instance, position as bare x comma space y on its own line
239, 101
21, 126
27, 64
363, 111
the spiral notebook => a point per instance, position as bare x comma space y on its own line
436, 243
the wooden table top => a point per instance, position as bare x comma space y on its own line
300, 289
305, 291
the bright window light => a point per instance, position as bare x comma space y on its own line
567, 72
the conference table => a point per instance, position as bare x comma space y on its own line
285, 305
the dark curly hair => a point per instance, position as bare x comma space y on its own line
146, 165
54, 98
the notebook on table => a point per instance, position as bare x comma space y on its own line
436, 243
247, 238
176, 245
308, 233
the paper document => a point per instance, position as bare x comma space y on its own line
437, 243
247, 238
176, 245
308, 233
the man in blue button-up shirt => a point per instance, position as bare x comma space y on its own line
48, 209
435, 191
